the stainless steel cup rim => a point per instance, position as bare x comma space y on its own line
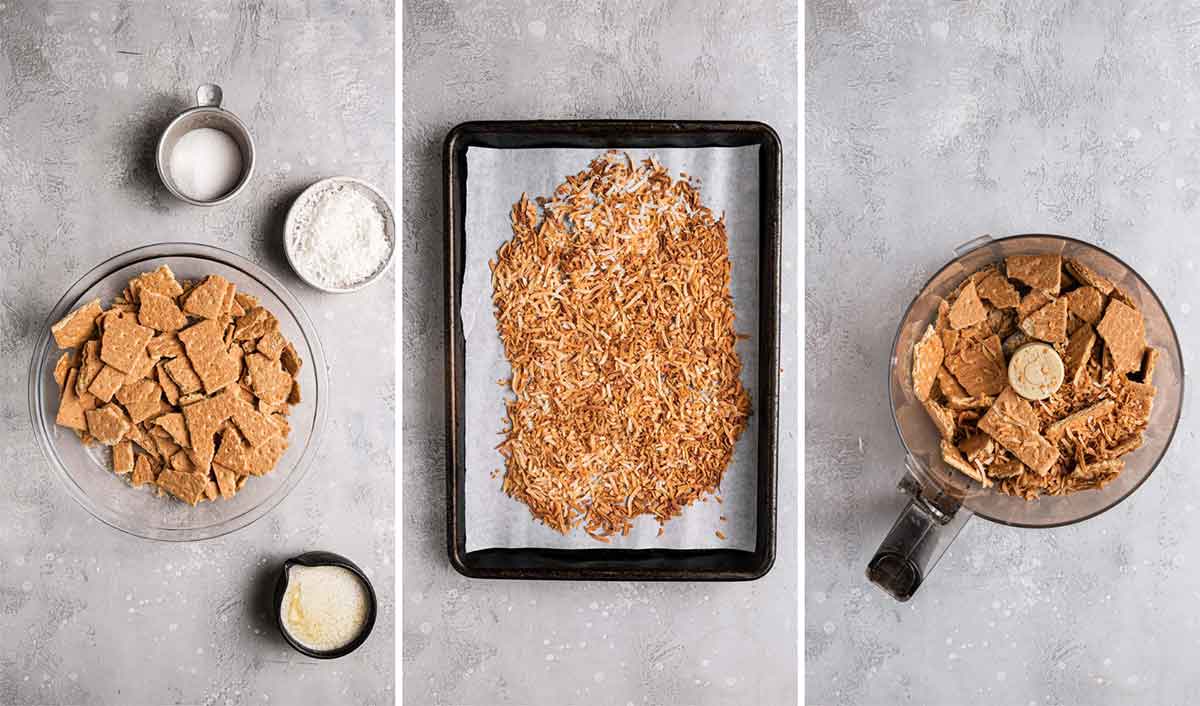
208, 99
290, 224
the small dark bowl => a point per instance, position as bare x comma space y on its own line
323, 559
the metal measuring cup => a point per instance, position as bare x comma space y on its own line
206, 113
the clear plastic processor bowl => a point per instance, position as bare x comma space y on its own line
942, 499
85, 471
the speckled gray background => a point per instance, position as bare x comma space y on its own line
929, 123
482, 643
89, 615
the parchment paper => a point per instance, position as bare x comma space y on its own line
495, 180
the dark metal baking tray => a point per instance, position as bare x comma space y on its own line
615, 564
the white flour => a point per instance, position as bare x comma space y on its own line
339, 237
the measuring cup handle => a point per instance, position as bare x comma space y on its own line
208, 95
925, 529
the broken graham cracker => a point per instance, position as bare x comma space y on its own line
1042, 272
1080, 419
188, 487
257, 322
185, 378
996, 289
209, 356
952, 456
123, 341
268, 379
207, 299
1078, 353
122, 457
1032, 302
948, 386
70, 411
1087, 303
174, 425
78, 326
980, 368
291, 361
967, 310
160, 312
1087, 276
143, 472
943, 419
927, 360
1124, 334
106, 383
161, 281
1009, 423
271, 344
90, 365
1048, 323
203, 419
107, 424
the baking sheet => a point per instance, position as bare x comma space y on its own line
496, 178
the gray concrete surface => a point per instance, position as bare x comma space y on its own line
491, 643
929, 124
89, 615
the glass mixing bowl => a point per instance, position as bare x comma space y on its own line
85, 471
942, 499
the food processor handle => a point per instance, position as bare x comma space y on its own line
922, 533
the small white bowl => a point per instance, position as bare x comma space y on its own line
308, 195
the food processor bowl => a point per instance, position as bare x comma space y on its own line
941, 498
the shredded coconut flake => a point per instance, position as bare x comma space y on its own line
339, 238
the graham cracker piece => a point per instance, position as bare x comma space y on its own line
106, 383
165, 345
207, 299
182, 461
183, 376
203, 419
249, 460
1002, 322
1137, 401
1127, 445
89, 366
141, 399
1087, 303
941, 325
1080, 419
169, 388
1088, 276
1149, 364
948, 386
1013, 342
62, 366
123, 342
188, 487
166, 447
967, 310
70, 411
173, 425
995, 288
942, 418
75, 328
1048, 323
978, 447
980, 367
272, 344
1078, 353
927, 360
1043, 272
294, 395
185, 400
954, 459
1124, 334
281, 423
255, 426
959, 404
1013, 424
226, 481
292, 361
1032, 302
143, 365
246, 301
254, 324
161, 281
1006, 469
235, 309
160, 312
122, 457
143, 441
208, 355
143, 472
107, 424
1123, 297
210, 491
268, 379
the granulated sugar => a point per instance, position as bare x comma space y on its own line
339, 237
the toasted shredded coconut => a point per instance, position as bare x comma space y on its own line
613, 304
